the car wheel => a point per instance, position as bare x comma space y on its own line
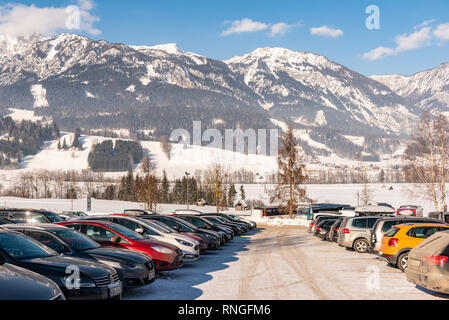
361, 246
403, 262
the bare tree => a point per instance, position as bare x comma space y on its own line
216, 179
147, 188
426, 159
290, 189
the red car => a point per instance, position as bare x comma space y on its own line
108, 234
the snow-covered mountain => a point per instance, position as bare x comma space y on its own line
427, 90
308, 88
91, 84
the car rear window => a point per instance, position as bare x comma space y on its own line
389, 224
392, 232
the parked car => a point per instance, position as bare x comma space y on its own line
21, 284
240, 222
428, 265
307, 211
138, 212
69, 215
212, 238
190, 248
252, 224
134, 269
97, 281
442, 216
30, 215
202, 223
4, 221
318, 219
196, 237
323, 229
238, 229
410, 211
384, 225
333, 233
108, 234
355, 233
401, 239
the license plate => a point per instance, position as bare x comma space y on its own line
115, 290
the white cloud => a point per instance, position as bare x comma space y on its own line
282, 28
245, 26
326, 32
422, 37
251, 26
22, 20
442, 32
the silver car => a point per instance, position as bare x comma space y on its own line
355, 233
382, 226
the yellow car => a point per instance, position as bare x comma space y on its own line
401, 239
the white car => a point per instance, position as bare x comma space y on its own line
189, 247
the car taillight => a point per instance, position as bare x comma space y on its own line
318, 229
337, 229
311, 225
346, 231
436, 260
393, 242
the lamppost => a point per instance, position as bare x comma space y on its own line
187, 195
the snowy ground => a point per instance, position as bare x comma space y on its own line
283, 264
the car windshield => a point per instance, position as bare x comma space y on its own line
52, 217
126, 232
185, 223
163, 226
155, 226
76, 240
21, 247
303, 211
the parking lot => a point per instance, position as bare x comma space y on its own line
283, 263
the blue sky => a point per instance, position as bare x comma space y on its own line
222, 29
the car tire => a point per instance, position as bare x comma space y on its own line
361, 246
403, 261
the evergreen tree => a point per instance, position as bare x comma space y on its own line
242, 193
165, 189
232, 193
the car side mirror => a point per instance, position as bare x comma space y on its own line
177, 228
140, 231
116, 239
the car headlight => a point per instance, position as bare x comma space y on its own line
119, 265
184, 243
71, 283
162, 250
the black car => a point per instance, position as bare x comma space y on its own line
79, 279
212, 238
252, 224
204, 224
134, 269
323, 229
21, 284
222, 222
30, 215
245, 226
319, 219
4, 221
333, 234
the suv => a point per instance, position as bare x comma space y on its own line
382, 226
355, 233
